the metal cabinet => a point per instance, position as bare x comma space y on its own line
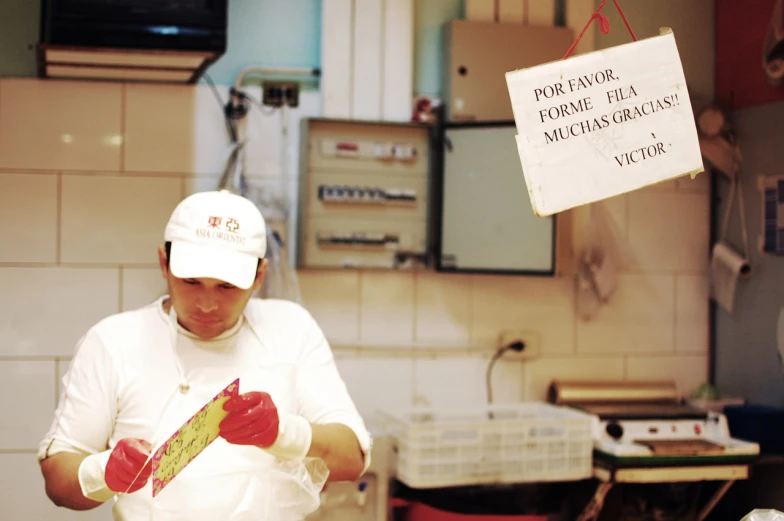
484, 221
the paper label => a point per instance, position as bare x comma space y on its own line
603, 123
188, 441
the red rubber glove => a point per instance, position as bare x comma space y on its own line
252, 420
126, 470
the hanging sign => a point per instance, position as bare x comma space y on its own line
603, 123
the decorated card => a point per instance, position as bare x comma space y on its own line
188, 441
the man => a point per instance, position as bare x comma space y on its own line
138, 376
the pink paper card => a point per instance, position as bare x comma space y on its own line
194, 436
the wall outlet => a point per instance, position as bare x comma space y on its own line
277, 94
531, 339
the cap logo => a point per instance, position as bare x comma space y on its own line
221, 228
231, 225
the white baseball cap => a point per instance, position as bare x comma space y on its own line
217, 235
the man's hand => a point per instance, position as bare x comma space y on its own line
252, 420
128, 468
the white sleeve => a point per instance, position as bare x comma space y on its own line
321, 393
84, 418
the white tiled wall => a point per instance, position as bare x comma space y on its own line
89, 173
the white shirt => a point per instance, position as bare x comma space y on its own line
125, 378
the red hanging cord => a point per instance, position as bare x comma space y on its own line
604, 25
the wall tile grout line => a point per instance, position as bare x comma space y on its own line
662, 272
76, 265
120, 288
381, 52
675, 313
56, 381
415, 318
123, 132
575, 322
59, 211
627, 215
351, 67
360, 282
110, 173
441, 351
471, 309
413, 362
28, 358
155, 174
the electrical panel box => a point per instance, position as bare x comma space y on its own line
477, 56
364, 192
484, 219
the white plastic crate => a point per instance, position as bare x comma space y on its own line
525, 442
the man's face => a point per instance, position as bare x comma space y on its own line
207, 307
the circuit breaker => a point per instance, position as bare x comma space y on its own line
364, 192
